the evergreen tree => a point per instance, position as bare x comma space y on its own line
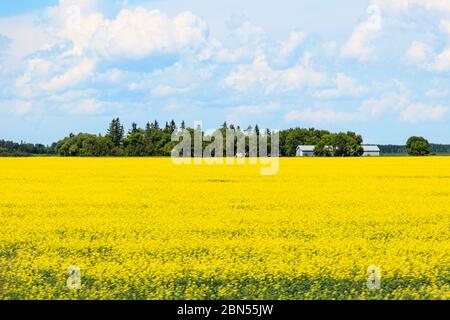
116, 132
172, 126
134, 128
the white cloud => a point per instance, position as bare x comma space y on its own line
344, 86
25, 37
441, 62
244, 31
133, 33
326, 115
402, 5
216, 50
418, 52
71, 77
110, 76
420, 112
246, 114
295, 40
86, 107
140, 32
247, 32
437, 93
69, 96
388, 102
255, 109
164, 90
444, 25
15, 107
425, 56
260, 74
359, 45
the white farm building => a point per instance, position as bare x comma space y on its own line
371, 151
305, 151
308, 151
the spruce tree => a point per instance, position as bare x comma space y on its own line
116, 132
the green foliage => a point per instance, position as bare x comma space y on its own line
343, 144
151, 141
116, 132
134, 144
84, 145
13, 149
290, 139
156, 141
418, 146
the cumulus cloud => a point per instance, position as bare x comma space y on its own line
215, 50
164, 90
418, 52
344, 86
441, 62
420, 112
24, 37
73, 76
426, 58
402, 5
133, 33
376, 107
437, 93
444, 25
243, 30
260, 74
359, 45
324, 115
86, 107
15, 107
296, 38
140, 32
252, 112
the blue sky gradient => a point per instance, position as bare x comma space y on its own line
377, 67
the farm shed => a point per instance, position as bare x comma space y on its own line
308, 151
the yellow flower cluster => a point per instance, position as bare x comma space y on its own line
148, 229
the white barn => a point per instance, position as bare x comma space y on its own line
371, 151
308, 151
305, 151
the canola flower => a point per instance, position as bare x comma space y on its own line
146, 229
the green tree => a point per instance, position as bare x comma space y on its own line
418, 146
347, 145
134, 128
116, 132
325, 148
343, 144
134, 144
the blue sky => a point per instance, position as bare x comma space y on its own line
377, 67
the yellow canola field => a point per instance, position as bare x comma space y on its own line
147, 229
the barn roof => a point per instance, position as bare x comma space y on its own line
371, 149
366, 148
306, 148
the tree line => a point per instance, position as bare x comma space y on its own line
22, 149
402, 150
154, 140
